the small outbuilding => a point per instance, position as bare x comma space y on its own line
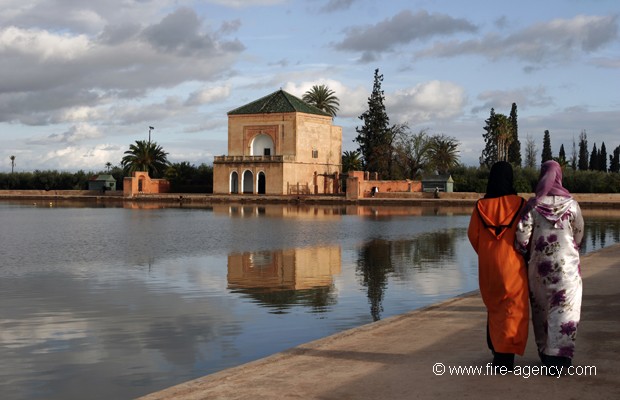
441, 183
102, 182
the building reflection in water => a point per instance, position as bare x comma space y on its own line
283, 278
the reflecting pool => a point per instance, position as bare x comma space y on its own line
123, 301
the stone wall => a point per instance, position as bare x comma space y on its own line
360, 184
141, 183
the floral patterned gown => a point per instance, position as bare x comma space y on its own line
551, 231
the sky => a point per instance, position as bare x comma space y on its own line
82, 80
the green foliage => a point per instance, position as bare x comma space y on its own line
614, 160
501, 139
562, 155
514, 149
443, 153
472, 179
187, 178
323, 98
411, 153
351, 161
602, 158
375, 137
489, 153
530, 152
546, 150
145, 156
583, 151
44, 180
594, 155
184, 178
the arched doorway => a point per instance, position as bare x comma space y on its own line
262, 145
248, 182
261, 183
234, 182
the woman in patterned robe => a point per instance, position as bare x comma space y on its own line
550, 232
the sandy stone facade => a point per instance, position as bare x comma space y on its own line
281, 150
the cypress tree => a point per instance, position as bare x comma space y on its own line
583, 151
375, 136
594, 158
602, 158
546, 150
562, 155
573, 157
514, 151
489, 153
614, 161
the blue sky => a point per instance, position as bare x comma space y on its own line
80, 81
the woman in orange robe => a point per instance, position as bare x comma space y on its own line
502, 274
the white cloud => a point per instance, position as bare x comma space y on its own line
41, 44
208, 95
353, 101
75, 133
80, 157
426, 101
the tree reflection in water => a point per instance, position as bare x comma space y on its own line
380, 259
596, 229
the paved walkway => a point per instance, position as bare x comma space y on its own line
394, 358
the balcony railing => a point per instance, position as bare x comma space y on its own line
229, 159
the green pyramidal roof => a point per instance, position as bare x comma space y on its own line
278, 102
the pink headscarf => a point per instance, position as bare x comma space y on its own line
550, 182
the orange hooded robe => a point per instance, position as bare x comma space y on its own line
502, 274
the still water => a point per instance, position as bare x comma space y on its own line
116, 302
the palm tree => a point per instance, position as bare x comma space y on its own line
351, 161
443, 153
108, 165
322, 98
12, 163
145, 156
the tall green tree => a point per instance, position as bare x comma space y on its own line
514, 150
614, 160
602, 158
594, 155
443, 153
498, 139
375, 137
530, 152
145, 156
573, 157
323, 98
489, 153
562, 155
546, 154
583, 151
411, 153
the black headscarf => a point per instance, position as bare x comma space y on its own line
500, 180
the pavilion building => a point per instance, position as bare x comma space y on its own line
279, 145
